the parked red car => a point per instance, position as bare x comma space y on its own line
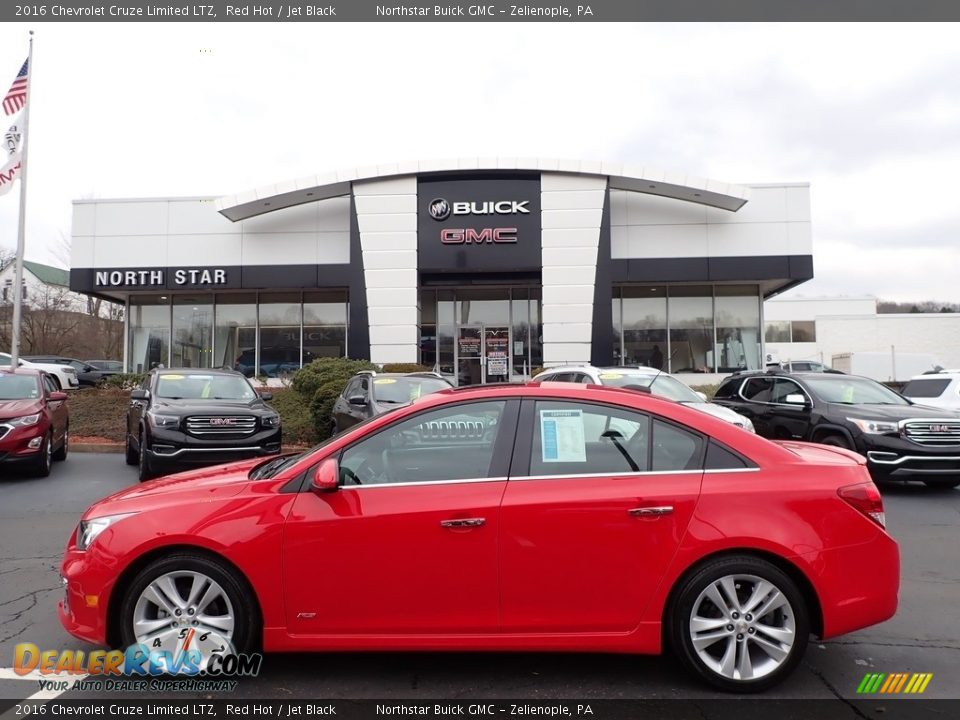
34, 420
539, 517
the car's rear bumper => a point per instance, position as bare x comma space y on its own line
858, 585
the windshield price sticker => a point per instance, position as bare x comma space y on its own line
610, 376
384, 381
563, 437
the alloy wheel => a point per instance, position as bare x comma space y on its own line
742, 627
180, 601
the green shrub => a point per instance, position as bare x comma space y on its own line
294, 416
405, 368
124, 381
319, 384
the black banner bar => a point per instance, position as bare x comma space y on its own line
539, 11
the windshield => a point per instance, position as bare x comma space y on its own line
401, 390
18, 387
204, 387
662, 385
853, 391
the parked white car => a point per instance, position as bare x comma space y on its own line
658, 382
940, 389
64, 374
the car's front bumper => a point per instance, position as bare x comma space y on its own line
173, 448
21, 444
893, 458
87, 584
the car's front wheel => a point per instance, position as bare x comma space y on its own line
740, 623
44, 461
144, 469
181, 593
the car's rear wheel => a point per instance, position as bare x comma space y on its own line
44, 460
61, 453
740, 624
145, 471
836, 441
133, 457
179, 593
942, 484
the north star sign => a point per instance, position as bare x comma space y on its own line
156, 277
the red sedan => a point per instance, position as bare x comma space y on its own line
539, 517
34, 423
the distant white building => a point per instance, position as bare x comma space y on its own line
41, 283
798, 328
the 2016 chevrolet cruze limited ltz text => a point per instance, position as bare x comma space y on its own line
541, 517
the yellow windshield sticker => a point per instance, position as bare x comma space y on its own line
384, 381
610, 376
171, 377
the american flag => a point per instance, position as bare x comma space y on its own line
17, 94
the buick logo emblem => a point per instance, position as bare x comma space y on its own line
439, 209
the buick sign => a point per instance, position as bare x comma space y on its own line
439, 209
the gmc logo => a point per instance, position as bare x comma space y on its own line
469, 236
221, 421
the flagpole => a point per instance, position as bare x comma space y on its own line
21, 231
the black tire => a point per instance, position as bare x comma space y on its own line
683, 610
144, 469
942, 484
132, 456
60, 454
45, 460
836, 441
246, 636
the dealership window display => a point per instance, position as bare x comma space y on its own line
324, 324
149, 332
737, 311
279, 332
192, 345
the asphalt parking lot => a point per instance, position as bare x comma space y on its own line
37, 515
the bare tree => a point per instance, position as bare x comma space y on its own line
52, 322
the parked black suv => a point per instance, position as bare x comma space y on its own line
901, 440
369, 394
197, 417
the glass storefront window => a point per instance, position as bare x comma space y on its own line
235, 335
279, 334
446, 332
644, 318
192, 331
324, 324
149, 332
428, 328
803, 331
690, 311
738, 326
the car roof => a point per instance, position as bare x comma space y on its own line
941, 375
637, 370
21, 371
195, 371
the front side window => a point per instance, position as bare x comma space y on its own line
675, 449
450, 443
782, 387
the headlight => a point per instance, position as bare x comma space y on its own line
270, 421
875, 427
90, 529
24, 421
158, 420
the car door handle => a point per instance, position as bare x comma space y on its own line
650, 511
463, 523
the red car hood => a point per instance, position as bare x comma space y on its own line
203, 485
18, 408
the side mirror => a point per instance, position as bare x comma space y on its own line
57, 396
266, 396
89, 368
795, 399
139, 394
326, 478
357, 400
701, 395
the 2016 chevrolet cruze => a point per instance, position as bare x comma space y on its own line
543, 517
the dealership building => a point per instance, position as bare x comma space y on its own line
484, 269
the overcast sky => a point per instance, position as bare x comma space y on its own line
868, 114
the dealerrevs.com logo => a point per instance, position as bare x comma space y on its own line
440, 209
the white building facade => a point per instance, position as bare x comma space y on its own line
484, 269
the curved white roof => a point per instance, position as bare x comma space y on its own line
623, 177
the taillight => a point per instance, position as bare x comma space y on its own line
865, 498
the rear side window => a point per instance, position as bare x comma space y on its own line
758, 389
727, 389
720, 458
926, 388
